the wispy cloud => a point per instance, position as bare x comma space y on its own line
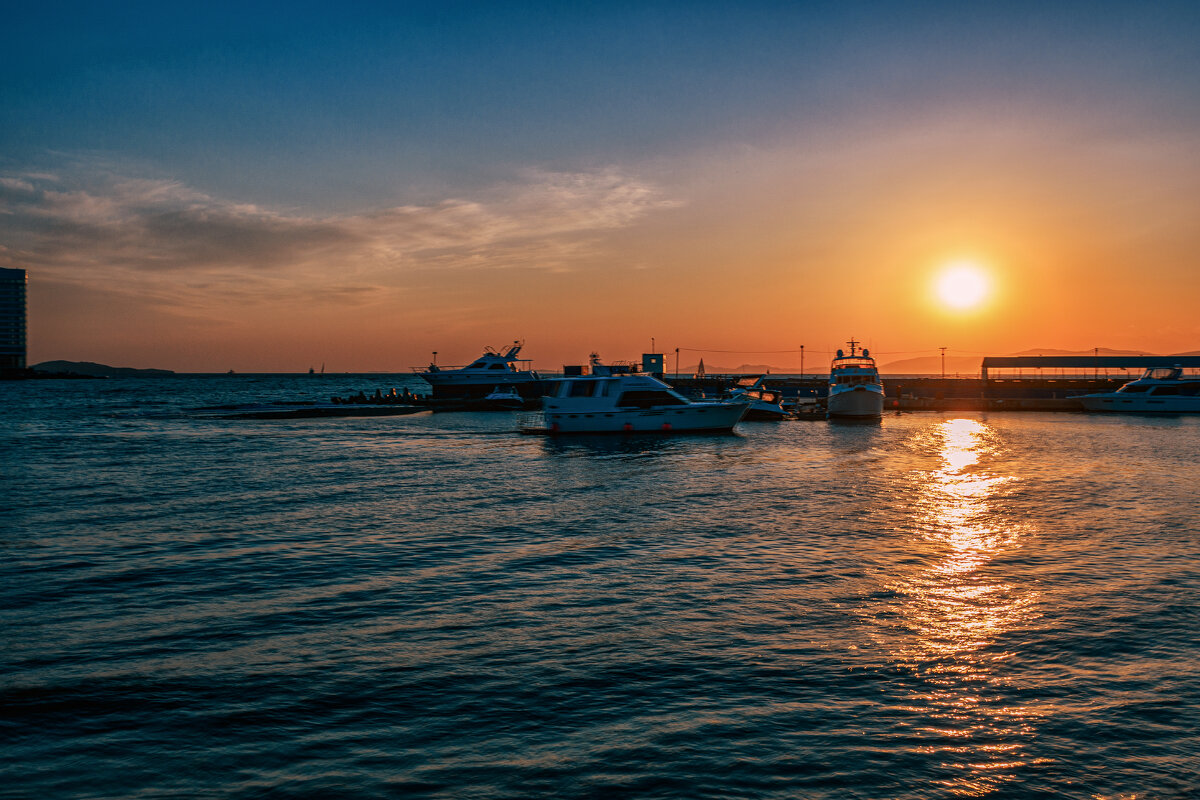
165, 240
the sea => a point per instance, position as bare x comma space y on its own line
940, 605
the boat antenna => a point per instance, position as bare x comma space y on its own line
852, 344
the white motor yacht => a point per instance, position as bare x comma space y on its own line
504, 398
1160, 390
855, 389
765, 404
610, 401
493, 368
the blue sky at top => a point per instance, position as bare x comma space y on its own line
357, 104
189, 181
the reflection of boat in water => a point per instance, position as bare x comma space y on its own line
855, 389
611, 401
504, 398
1160, 390
493, 368
765, 404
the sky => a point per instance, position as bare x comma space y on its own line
269, 187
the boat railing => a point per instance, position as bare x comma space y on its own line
456, 367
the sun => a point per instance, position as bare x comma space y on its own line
962, 285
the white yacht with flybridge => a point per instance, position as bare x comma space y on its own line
494, 369
1160, 390
612, 400
855, 388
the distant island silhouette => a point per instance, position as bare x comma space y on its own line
94, 370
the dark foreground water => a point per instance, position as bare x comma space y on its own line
1000, 605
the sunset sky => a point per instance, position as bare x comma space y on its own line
238, 186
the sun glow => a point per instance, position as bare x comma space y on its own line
962, 285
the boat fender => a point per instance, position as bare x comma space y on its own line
554, 427
666, 426
628, 427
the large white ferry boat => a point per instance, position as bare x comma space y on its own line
494, 369
611, 401
1160, 390
855, 389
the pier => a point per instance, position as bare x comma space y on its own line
1005, 383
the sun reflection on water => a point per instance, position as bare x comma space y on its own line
951, 611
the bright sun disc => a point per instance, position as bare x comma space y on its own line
962, 286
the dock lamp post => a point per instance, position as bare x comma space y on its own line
435, 357
943, 362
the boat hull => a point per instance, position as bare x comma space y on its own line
1130, 403
765, 412
859, 402
694, 418
450, 386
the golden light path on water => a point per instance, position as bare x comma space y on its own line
953, 609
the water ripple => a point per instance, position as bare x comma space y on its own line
432, 606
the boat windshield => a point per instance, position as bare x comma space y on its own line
1163, 373
853, 380
854, 363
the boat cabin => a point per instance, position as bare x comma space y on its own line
1163, 374
492, 363
851, 370
620, 392
1160, 381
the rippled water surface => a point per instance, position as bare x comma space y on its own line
939, 606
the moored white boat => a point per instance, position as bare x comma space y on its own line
1160, 390
492, 369
504, 398
855, 389
608, 402
765, 404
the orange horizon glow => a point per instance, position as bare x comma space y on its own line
606, 261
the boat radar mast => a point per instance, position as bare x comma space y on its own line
854, 343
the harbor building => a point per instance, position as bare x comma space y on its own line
12, 319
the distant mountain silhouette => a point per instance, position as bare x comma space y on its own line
747, 369
932, 365
95, 370
1102, 351
970, 365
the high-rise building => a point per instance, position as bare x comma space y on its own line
12, 319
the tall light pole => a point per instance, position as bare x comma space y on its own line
801, 362
435, 358
943, 361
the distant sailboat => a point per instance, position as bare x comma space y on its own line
700, 369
